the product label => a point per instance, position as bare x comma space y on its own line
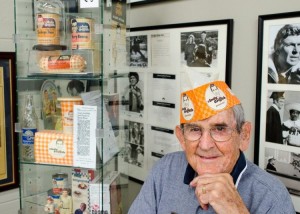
57, 149
28, 136
47, 29
59, 62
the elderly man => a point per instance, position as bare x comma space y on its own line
211, 174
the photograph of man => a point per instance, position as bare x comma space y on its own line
208, 46
132, 95
291, 127
271, 164
273, 120
285, 57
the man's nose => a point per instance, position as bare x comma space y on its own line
206, 141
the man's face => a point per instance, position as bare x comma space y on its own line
280, 103
294, 115
208, 156
203, 36
133, 80
290, 51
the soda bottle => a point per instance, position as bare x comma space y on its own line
29, 128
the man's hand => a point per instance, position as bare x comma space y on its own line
218, 191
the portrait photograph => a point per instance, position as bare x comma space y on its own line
132, 94
284, 54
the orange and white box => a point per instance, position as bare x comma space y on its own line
53, 147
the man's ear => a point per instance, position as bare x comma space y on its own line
245, 136
180, 137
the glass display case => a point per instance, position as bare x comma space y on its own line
69, 55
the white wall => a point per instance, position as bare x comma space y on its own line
245, 15
7, 26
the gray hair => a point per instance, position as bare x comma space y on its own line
239, 116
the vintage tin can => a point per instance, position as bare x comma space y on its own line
59, 182
47, 28
82, 33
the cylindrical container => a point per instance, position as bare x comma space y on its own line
59, 182
29, 128
82, 30
67, 108
47, 29
49, 21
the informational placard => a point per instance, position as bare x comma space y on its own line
84, 134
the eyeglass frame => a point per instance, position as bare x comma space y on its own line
202, 130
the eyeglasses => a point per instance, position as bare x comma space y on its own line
217, 133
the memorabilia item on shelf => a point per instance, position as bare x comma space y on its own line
51, 109
62, 64
82, 31
48, 16
112, 200
81, 179
49, 207
53, 147
67, 109
65, 202
29, 128
59, 182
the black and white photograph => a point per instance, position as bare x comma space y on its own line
282, 118
285, 165
138, 51
200, 48
284, 54
134, 148
132, 97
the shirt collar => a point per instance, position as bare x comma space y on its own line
236, 173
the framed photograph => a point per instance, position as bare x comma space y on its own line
8, 144
277, 133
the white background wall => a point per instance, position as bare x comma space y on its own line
245, 15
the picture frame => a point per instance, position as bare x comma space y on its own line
158, 55
9, 178
277, 146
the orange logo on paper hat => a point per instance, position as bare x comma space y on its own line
205, 101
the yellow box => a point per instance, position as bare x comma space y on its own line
53, 147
